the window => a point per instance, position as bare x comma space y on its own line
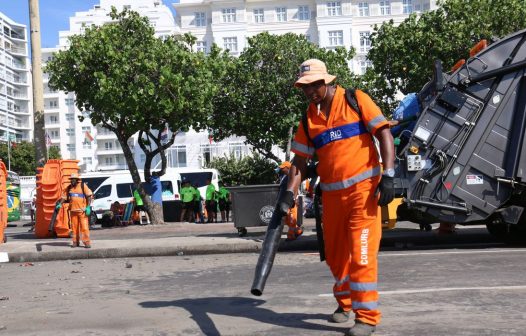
259, 16
70, 147
70, 131
281, 14
336, 38
53, 104
365, 42
200, 46
125, 190
385, 8
87, 160
229, 15
230, 43
143, 157
407, 6
70, 101
108, 145
103, 192
54, 134
208, 152
236, 149
70, 116
200, 19
334, 8
364, 64
303, 13
86, 144
177, 156
363, 9
86, 129
53, 119
108, 161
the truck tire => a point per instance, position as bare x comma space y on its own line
512, 234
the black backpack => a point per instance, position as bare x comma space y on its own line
352, 101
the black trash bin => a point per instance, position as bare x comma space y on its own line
253, 205
172, 210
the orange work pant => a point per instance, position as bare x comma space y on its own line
80, 227
352, 230
292, 221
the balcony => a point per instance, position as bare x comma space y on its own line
16, 51
15, 65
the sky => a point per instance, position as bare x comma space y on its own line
54, 15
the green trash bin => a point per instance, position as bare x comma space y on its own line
253, 205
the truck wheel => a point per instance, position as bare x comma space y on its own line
5, 238
512, 234
242, 232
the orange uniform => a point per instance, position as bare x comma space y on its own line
349, 171
77, 208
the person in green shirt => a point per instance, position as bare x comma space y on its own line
187, 195
139, 207
223, 196
211, 202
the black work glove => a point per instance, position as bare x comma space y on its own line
285, 202
386, 189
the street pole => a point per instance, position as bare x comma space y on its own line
39, 137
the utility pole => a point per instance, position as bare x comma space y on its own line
39, 137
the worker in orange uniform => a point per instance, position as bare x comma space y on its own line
79, 196
291, 219
353, 184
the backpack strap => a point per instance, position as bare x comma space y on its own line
352, 101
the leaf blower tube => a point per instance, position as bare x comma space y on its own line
270, 246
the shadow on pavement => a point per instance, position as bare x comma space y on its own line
241, 307
39, 245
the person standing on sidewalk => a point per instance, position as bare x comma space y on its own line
79, 197
187, 195
211, 202
139, 209
351, 178
198, 205
223, 197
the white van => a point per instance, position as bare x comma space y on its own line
120, 188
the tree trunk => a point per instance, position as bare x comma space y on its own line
156, 216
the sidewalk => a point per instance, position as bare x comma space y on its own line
145, 241
178, 239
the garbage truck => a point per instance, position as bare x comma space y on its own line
464, 159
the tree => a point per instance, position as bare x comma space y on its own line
130, 81
54, 152
403, 55
22, 157
248, 170
258, 99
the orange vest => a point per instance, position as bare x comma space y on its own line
346, 151
77, 201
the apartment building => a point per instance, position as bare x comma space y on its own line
16, 116
329, 24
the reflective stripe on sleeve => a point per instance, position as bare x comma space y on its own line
373, 123
370, 305
76, 195
341, 281
351, 181
309, 151
364, 286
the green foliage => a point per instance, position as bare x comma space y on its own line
54, 152
258, 99
248, 170
403, 55
22, 157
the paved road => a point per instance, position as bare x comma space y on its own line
469, 291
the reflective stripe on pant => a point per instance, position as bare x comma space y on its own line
352, 231
80, 227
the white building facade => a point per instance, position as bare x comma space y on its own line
329, 24
16, 111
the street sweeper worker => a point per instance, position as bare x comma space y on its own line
353, 184
79, 197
